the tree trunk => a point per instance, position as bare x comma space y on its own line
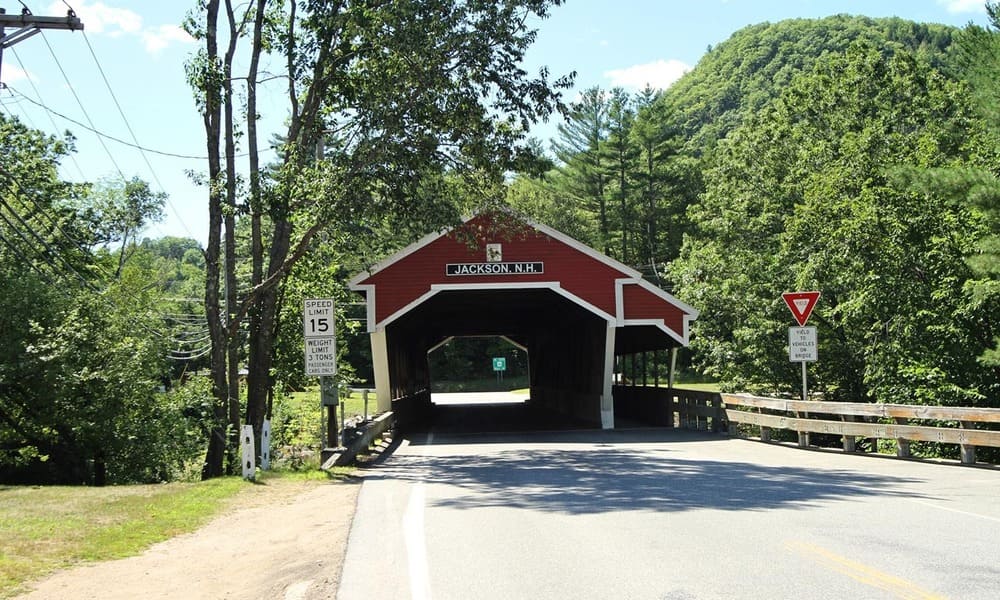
258, 378
651, 208
100, 469
215, 454
261, 346
232, 301
623, 201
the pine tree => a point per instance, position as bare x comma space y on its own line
579, 150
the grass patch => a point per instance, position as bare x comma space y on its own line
47, 528
700, 387
483, 384
308, 401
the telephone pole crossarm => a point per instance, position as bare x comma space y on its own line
28, 25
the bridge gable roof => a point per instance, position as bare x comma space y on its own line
511, 252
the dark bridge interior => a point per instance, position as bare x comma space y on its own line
566, 352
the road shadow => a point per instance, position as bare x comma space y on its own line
484, 417
609, 478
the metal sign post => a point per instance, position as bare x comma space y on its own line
329, 398
802, 345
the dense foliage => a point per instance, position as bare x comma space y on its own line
83, 337
843, 154
802, 196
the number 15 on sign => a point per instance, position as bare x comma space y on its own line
317, 317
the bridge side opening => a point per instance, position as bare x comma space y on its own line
478, 370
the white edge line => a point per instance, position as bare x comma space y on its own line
954, 510
416, 544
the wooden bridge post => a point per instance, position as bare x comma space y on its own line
902, 445
850, 444
803, 435
968, 450
718, 413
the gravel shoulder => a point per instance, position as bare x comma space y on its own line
288, 542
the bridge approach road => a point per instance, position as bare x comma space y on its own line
666, 515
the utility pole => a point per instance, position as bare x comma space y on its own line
28, 25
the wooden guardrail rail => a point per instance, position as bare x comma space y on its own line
802, 421
670, 407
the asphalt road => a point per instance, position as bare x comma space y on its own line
666, 515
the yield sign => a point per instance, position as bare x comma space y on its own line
801, 304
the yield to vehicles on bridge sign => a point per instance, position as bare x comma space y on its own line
802, 344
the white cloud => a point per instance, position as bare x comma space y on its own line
158, 38
12, 73
658, 74
98, 17
962, 6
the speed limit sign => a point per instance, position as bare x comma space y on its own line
317, 318
320, 337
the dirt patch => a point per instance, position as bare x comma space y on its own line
284, 542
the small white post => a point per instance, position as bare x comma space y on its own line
265, 445
246, 439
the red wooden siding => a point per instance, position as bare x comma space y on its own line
641, 304
411, 276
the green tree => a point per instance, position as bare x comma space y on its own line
621, 154
537, 198
118, 210
582, 173
394, 94
802, 197
82, 352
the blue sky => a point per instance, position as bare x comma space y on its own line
141, 51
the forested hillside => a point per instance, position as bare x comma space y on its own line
746, 72
847, 155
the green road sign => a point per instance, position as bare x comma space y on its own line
499, 363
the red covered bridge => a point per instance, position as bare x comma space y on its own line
572, 308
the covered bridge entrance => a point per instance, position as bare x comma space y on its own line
572, 308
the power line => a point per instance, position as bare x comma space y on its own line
186, 337
31, 82
25, 260
118, 140
15, 102
82, 108
44, 244
39, 208
101, 134
128, 126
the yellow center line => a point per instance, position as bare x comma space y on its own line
897, 586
